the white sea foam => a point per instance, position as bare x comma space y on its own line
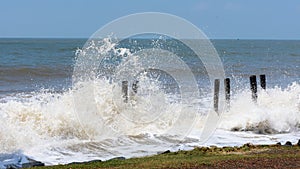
44, 126
276, 109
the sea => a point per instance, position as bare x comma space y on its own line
51, 115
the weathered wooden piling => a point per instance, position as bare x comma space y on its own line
263, 81
227, 90
125, 91
253, 86
216, 94
135, 86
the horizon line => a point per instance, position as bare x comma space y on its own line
58, 37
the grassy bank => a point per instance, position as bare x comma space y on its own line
247, 156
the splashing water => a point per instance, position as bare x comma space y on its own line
45, 125
277, 111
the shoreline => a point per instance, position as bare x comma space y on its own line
246, 156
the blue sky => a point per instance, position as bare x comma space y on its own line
255, 19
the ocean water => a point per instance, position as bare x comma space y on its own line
45, 115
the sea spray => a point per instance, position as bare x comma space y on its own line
44, 125
277, 110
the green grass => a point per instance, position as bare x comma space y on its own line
194, 158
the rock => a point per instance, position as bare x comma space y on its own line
263, 127
288, 143
236, 129
85, 162
166, 152
250, 145
229, 149
213, 147
279, 144
32, 164
118, 158
94, 161
298, 144
203, 149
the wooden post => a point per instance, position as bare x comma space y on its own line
227, 91
216, 94
135, 86
263, 81
125, 91
253, 86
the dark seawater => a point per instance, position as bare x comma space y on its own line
278, 59
35, 64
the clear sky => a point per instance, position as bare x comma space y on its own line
252, 19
